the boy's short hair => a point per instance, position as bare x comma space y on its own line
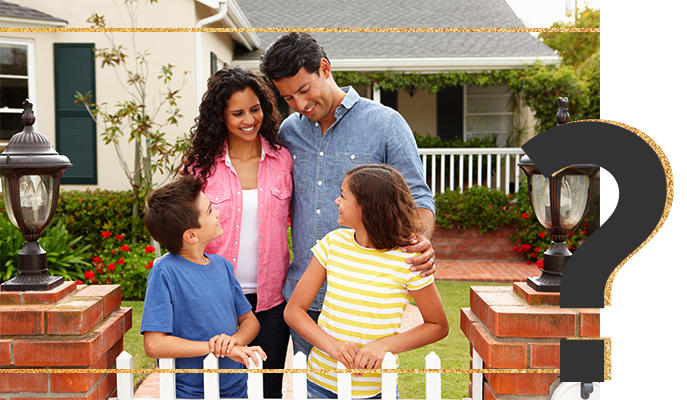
285, 57
171, 210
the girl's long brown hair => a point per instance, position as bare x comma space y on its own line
389, 212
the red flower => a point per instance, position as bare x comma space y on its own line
541, 234
584, 225
537, 249
533, 255
570, 234
106, 234
149, 265
114, 251
584, 232
120, 261
79, 282
517, 248
109, 280
528, 262
119, 237
526, 247
111, 266
540, 264
100, 270
149, 249
510, 195
525, 216
89, 275
125, 248
96, 259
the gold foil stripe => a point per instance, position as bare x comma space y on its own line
275, 371
327, 30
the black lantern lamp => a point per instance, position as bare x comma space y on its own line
30, 170
559, 203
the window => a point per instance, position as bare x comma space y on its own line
488, 111
216, 64
17, 83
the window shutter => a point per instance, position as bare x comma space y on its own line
75, 131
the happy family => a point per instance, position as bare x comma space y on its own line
344, 173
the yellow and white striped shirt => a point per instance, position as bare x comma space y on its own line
367, 293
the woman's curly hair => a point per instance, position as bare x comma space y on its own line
209, 134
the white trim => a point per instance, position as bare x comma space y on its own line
31, 73
252, 40
427, 65
8, 22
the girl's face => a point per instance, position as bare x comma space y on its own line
243, 116
350, 214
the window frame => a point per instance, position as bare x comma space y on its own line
30, 77
467, 114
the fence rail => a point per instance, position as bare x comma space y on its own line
491, 167
125, 381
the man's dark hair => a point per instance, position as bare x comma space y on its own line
285, 57
171, 210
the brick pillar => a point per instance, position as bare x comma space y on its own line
470, 244
68, 327
517, 327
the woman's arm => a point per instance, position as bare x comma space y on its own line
434, 328
297, 318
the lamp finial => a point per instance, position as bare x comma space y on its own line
27, 118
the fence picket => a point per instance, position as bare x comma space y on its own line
255, 391
211, 381
432, 381
343, 384
125, 382
300, 387
389, 380
167, 381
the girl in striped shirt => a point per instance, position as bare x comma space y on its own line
369, 285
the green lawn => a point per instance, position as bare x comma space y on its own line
453, 350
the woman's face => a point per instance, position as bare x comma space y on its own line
243, 116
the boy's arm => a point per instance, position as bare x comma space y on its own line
434, 328
297, 318
248, 329
163, 345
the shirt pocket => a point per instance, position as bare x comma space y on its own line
221, 201
299, 171
281, 202
346, 161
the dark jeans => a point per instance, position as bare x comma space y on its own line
274, 339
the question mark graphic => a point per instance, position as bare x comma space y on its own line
642, 194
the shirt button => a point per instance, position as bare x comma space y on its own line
239, 209
234, 259
352, 156
317, 124
319, 183
260, 205
261, 239
294, 157
318, 211
260, 189
236, 242
321, 154
216, 198
237, 226
261, 222
238, 192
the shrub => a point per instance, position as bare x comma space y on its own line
122, 263
480, 206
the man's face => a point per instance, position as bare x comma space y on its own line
307, 93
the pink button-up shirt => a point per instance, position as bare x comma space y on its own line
224, 191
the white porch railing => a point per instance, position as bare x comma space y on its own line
445, 169
125, 381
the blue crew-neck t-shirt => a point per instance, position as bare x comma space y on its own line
196, 302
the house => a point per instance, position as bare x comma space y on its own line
50, 67
456, 111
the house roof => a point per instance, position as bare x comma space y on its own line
408, 51
10, 12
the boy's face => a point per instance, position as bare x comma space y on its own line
208, 219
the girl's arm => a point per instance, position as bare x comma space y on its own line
434, 328
297, 318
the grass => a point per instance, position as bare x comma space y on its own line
452, 350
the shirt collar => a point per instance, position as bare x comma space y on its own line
347, 103
266, 150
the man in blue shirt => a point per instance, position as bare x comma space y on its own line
334, 130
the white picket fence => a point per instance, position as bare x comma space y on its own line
500, 170
125, 381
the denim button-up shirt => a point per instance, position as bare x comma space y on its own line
365, 132
224, 191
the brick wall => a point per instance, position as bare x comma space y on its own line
68, 327
470, 244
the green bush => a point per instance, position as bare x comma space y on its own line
122, 263
481, 207
89, 213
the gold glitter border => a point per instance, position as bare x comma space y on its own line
663, 232
274, 371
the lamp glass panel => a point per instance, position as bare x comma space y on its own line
35, 197
8, 202
541, 201
574, 192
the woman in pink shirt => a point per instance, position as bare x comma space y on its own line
249, 180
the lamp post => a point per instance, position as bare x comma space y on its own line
30, 171
559, 203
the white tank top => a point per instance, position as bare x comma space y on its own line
247, 262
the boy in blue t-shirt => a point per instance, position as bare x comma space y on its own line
193, 301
